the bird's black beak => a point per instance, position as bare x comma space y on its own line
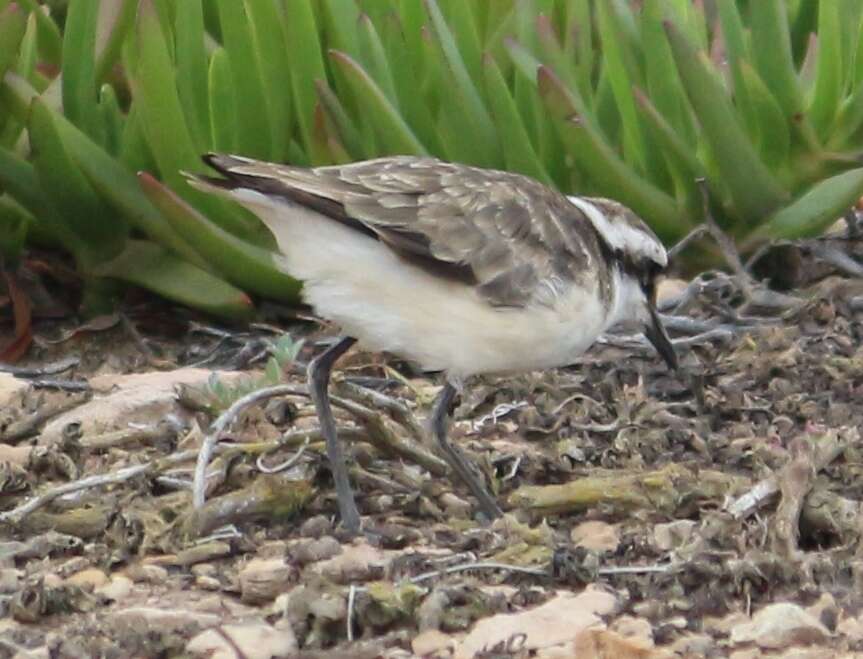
656, 334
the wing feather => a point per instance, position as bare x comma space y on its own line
507, 234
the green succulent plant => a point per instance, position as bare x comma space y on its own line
762, 100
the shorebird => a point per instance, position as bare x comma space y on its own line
459, 269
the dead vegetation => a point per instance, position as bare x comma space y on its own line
649, 514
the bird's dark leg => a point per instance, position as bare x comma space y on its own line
456, 460
319, 378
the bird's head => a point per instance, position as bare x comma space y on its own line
639, 257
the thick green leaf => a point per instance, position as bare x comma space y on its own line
250, 267
155, 87
50, 39
115, 20
771, 51
475, 129
13, 23
116, 184
737, 52
113, 119
222, 103
192, 71
376, 59
14, 224
518, 151
543, 134
135, 153
618, 66
307, 66
152, 267
79, 67
18, 178
344, 125
101, 232
672, 144
415, 106
663, 82
774, 137
460, 20
617, 179
274, 63
579, 41
817, 209
830, 77
27, 53
805, 22
389, 125
562, 62
342, 18
254, 121
164, 124
754, 190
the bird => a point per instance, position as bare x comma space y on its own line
456, 268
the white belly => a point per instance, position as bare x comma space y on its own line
389, 304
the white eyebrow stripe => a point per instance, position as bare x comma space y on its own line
621, 237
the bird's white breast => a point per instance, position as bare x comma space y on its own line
389, 304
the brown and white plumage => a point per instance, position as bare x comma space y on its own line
459, 268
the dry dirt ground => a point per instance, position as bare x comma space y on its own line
710, 513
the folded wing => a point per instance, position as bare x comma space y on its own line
518, 241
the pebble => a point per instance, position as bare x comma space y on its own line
780, 625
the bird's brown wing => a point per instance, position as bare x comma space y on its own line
515, 239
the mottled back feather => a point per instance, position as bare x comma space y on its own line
518, 241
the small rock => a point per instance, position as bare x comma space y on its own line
558, 621
207, 583
825, 611
432, 643
52, 580
779, 626
357, 562
252, 640
749, 653
455, 506
852, 629
207, 551
90, 579
10, 580
316, 526
677, 622
154, 574
146, 619
604, 643
204, 570
272, 549
723, 626
73, 565
262, 580
10, 388
378, 504
226, 607
635, 629
693, 645
117, 589
311, 551
595, 536
15, 455
672, 535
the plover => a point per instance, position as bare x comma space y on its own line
456, 268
